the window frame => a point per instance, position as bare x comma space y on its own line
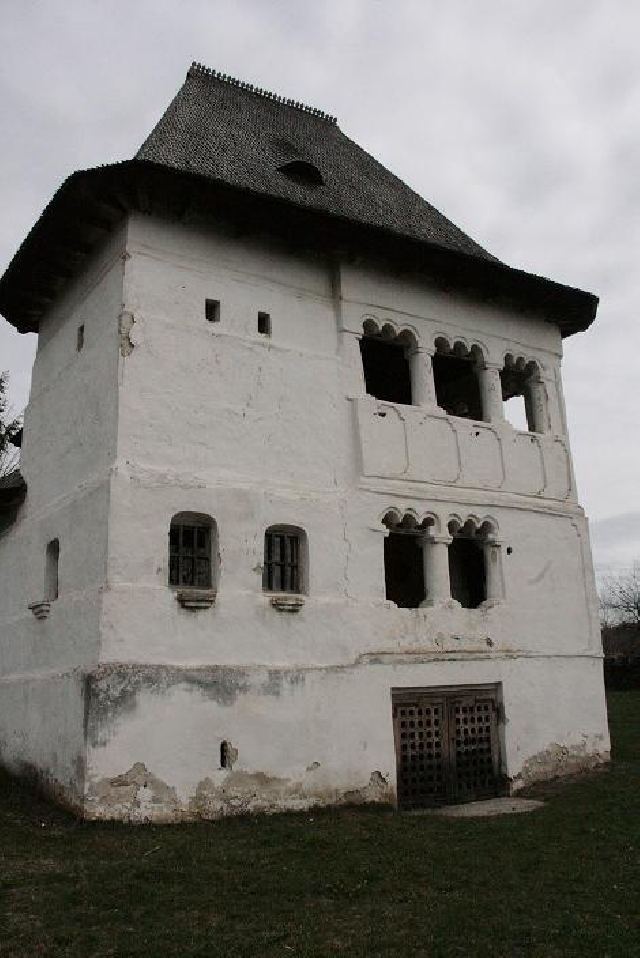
184, 553
291, 561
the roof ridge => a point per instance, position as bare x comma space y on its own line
199, 69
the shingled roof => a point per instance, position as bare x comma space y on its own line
224, 150
232, 132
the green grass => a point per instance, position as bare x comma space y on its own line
624, 725
560, 881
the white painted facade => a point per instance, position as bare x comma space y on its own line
121, 697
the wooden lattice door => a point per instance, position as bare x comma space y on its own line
447, 745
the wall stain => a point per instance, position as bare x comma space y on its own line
113, 691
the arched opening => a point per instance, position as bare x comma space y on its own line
192, 547
385, 363
467, 569
523, 394
286, 560
404, 560
455, 376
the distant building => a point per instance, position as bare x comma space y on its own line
280, 545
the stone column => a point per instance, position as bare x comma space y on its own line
423, 390
491, 392
379, 581
436, 570
555, 404
536, 404
351, 363
493, 570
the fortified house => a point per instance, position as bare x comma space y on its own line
275, 541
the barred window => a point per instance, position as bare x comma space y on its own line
284, 560
190, 551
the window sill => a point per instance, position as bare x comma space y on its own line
196, 598
41, 610
287, 602
491, 604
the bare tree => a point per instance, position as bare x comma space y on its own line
620, 598
9, 426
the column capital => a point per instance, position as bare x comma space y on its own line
437, 539
421, 350
381, 530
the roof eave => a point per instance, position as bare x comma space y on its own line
90, 203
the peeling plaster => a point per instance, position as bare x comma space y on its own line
125, 326
139, 796
559, 761
136, 795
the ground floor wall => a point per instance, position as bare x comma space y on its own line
167, 743
42, 732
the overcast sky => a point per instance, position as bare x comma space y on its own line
518, 119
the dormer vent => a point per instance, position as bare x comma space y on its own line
303, 172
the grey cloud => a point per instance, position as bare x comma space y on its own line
616, 541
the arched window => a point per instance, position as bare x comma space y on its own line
192, 548
286, 563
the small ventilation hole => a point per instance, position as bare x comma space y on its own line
264, 324
212, 310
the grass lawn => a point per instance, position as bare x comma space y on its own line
564, 880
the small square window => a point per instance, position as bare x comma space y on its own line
80, 338
264, 324
212, 310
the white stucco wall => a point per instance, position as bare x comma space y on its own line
213, 418
68, 448
309, 736
216, 419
